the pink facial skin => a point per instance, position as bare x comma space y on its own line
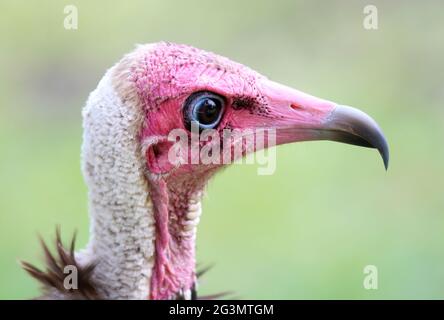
164, 78
172, 72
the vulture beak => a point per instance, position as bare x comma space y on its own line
300, 117
349, 125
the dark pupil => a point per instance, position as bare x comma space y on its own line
207, 110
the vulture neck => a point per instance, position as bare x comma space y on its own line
142, 233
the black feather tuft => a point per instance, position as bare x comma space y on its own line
52, 279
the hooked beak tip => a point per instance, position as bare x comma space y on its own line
352, 126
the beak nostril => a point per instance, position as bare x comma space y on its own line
295, 106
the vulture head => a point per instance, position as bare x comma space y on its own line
142, 126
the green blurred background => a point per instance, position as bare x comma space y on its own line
329, 210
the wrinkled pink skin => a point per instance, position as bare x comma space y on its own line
164, 78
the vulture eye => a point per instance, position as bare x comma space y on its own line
205, 108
